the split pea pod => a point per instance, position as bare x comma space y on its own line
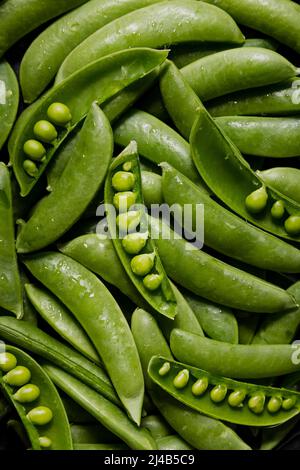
283, 179
101, 317
9, 100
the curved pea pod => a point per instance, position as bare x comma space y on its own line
155, 26
161, 296
172, 442
33, 339
10, 283
90, 301
98, 82
258, 248
76, 187
283, 179
57, 430
9, 100
234, 360
232, 408
112, 417
152, 189
157, 426
47, 52
263, 136
236, 69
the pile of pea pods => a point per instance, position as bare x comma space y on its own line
117, 330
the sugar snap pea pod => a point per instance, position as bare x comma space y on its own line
236, 69
33, 339
68, 103
258, 248
91, 433
152, 190
191, 268
108, 414
60, 319
90, 301
75, 189
45, 55
10, 284
238, 361
9, 99
136, 251
165, 23
283, 179
263, 136
35, 399
157, 426
172, 442
222, 398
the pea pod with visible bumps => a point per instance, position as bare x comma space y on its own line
285, 180
9, 100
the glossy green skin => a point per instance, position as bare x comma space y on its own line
233, 360
285, 180
154, 26
236, 69
61, 320
152, 190
263, 136
259, 248
156, 141
276, 18
112, 417
101, 317
9, 100
47, 52
36, 341
10, 283
222, 410
215, 280
19, 17
91, 433
157, 426
105, 78
58, 430
78, 185
200, 431
172, 443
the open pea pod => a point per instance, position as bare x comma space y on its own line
36, 400
222, 398
9, 100
67, 104
129, 228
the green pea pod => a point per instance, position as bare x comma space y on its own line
57, 430
231, 408
29, 313
169, 22
47, 52
258, 248
157, 426
285, 180
9, 100
90, 301
234, 360
75, 189
112, 417
172, 443
98, 82
60, 319
152, 190
91, 433
10, 284
33, 339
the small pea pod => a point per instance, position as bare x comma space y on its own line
10, 284
283, 179
9, 100
35, 399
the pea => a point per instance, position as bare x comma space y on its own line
256, 202
127, 166
182, 378
17, 377
236, 398
256, 403
45, 442
45, 131
128, 221
30, 168
7, 361
200, 386
27, 394
218, 393
152, 281
133, 243
274, 404
142, 264
278, 210
124, 200
59, 114
40, 415
34, 149
123, 181
292, 225
165, 369
289, 403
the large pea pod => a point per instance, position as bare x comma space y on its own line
283, 179
9, 100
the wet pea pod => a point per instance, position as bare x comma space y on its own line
35, 399
284, 179
234, 360
75, 189
165, 23
222, 398
129, 229
67, 104
9, 100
